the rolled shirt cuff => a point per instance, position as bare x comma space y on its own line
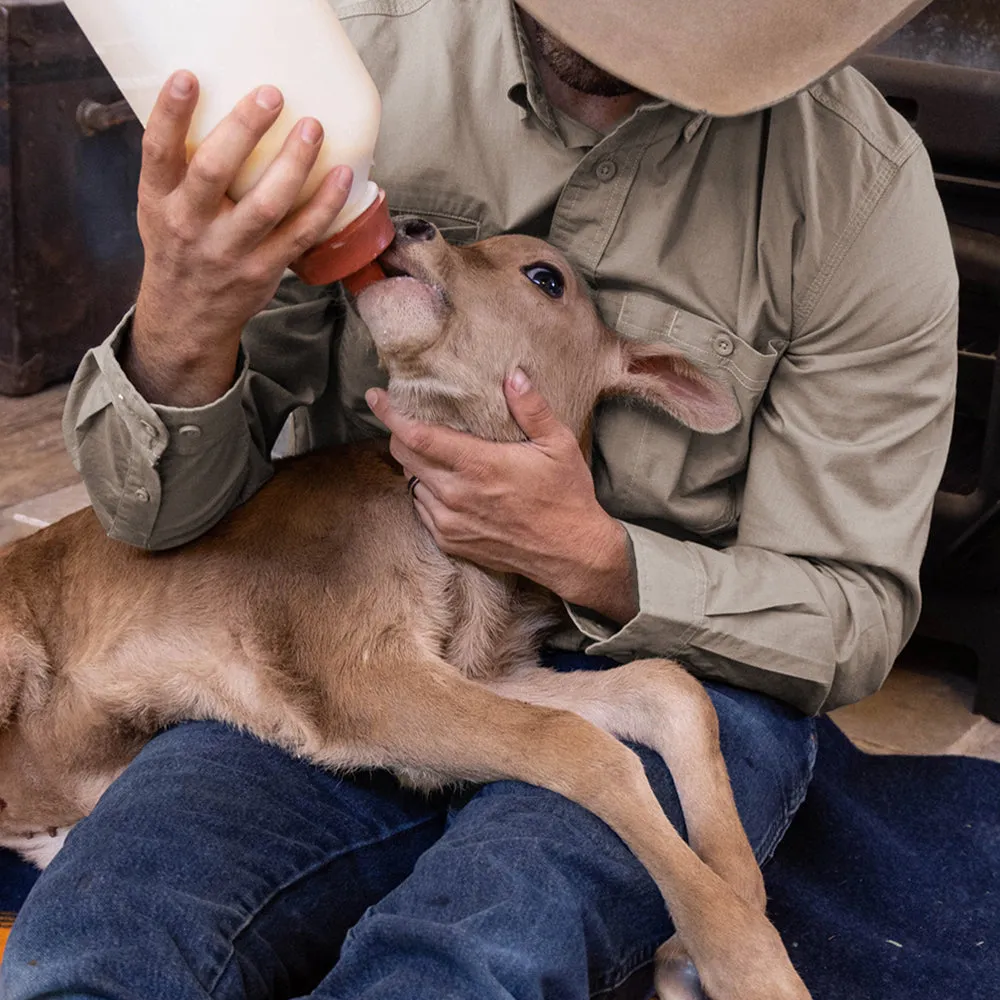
127, 447
671, 586
774, 639
153, 427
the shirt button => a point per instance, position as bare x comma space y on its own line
606, 170
148, 428
189, 432
142, 495
723, 345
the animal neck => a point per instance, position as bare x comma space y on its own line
19, 564
485, 416
498, 620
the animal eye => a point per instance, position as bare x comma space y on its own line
548, 279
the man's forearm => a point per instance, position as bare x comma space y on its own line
603, 580
165, 374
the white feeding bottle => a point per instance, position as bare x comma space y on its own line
234, 46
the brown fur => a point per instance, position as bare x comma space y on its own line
322, 617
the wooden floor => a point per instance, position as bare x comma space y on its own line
38, 483
924, 707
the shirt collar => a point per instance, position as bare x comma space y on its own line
694, 126
524, 87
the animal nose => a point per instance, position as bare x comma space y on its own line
419, 230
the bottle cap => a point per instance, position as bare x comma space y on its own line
352, 249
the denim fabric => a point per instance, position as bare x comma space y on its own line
218, 866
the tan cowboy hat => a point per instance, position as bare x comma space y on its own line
726, 57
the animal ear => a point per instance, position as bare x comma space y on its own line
665, 379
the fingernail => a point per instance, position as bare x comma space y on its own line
182, 84
312, 132
520, 382
343, 177
269, 98
371, 397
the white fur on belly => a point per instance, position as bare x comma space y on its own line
40, 848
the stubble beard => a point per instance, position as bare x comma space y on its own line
573, 69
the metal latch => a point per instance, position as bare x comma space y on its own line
94, 117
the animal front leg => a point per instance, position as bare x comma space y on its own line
442, 723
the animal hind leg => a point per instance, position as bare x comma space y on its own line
440, 722
657, 703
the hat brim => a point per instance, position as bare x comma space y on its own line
724, 57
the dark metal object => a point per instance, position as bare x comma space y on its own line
954, 109
70, 256
94, 117
942, 72
961, 571
960, 514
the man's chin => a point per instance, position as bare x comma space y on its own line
593, 86
573, 69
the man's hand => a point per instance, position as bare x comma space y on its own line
525, 508
212, 264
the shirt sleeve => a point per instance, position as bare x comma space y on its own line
159, 476
820, 590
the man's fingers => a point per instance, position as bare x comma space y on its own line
423, 495
164, 153
421, 439
442, 481
431, 512
529, 408
306, 227
263, 209
218, 160
429, 445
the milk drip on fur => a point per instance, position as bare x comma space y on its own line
235, 46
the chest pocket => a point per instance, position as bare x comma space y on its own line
648, 467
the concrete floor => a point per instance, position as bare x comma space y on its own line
925, 706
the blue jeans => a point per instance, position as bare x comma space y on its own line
218, 866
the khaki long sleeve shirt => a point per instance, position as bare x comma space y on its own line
800, 253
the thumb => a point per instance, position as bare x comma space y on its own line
529, 409
378, 403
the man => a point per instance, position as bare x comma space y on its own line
798, 251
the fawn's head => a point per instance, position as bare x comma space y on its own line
450, 323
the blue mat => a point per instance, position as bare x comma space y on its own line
887, 886
16, 880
